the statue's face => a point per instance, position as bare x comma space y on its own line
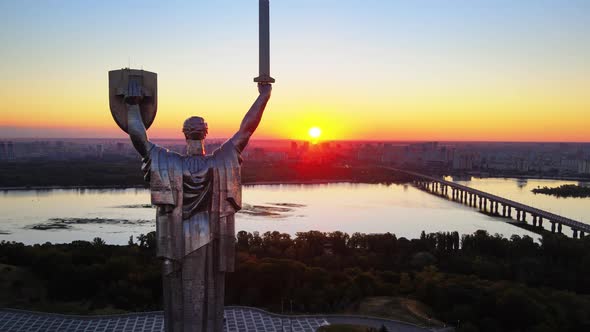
195, 128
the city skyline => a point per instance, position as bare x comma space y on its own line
370, 70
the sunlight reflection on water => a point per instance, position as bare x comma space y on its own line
367, 208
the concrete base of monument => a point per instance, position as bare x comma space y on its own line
237, 319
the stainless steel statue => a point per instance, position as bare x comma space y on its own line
196, 196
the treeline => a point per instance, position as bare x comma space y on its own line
566, 190
126, 172
255, 172
115, 172
480, 282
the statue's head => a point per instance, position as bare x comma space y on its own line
195, 128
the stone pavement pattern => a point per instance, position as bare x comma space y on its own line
236, 319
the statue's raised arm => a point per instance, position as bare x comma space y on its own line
135, 127
252, 118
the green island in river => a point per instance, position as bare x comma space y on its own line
566, 190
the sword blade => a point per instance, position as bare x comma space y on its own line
264, 42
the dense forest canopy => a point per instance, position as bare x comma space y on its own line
479, 281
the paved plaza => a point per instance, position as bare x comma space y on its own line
236, 319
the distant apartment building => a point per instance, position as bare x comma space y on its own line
522, 165
463, 161
276, 156
10, 155
3, 154
394, 154
522, 161
569, 166
368, 153
305, 147
429, 155
584, 167
99, 151
254, 154
544, 163
261, 155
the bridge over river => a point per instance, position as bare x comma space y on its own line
493, 204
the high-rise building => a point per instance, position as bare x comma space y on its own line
10, 151
584, 167
3, 151
99, 151
463, 161
305, 147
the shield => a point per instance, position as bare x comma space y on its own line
118, 83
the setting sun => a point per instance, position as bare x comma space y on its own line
315, 132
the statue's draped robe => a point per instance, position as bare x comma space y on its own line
196, 199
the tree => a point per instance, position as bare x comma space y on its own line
98, 242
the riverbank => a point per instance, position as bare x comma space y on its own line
102, 174
114, 187
528, 177
106, 187
264, 182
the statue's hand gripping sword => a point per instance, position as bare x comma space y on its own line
264, 43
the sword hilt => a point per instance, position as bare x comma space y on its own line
264, 79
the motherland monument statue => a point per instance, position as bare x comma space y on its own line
196, 194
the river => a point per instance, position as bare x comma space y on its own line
65, 215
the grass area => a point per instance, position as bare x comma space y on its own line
396, 308
19, 287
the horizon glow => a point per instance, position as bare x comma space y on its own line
360, 70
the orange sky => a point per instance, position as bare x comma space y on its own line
502, 72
